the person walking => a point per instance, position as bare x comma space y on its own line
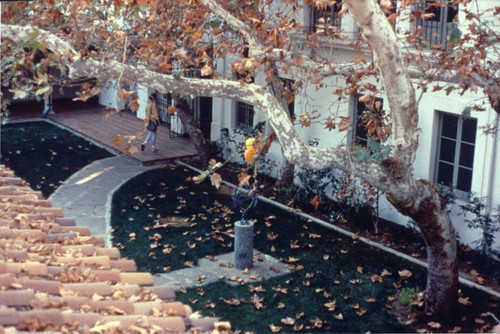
152, 121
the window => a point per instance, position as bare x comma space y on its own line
366, 115
326, 19
457, 138
244, 114
437, 21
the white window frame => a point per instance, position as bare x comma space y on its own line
461, 193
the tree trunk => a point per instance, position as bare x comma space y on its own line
432, 218
287, 176
288, 170
193, 130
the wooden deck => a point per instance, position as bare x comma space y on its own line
102, 125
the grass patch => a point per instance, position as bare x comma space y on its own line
45, 155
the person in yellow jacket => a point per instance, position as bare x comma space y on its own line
152, 121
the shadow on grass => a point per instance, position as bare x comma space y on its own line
45, 155
337, 285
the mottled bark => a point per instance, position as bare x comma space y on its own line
428, 209
417, 199
287, 176
192, 129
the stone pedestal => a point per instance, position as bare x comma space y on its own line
243, 245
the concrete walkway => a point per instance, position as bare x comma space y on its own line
86, 196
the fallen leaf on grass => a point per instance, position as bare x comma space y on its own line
274, 329
474, 272
259, 288
331, 305
376, 278
405, 274
385, 273
257, 302
434, 325
281, 306
464, 301
361, 311
317, 323
298, 327
288, 321
234, 301
339, 316
209, 304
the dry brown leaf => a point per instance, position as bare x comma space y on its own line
405, 274
274, 329
464, 301
331, 305
216, 180
317, 323
385, 273
434, 325
126, 94
288, 321
298, 327
257, 302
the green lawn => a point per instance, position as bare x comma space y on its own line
354, 281
45, 155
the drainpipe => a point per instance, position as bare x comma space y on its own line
494, 158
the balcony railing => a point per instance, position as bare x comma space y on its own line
324, 20
438, 23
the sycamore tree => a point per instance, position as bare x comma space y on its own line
157, 43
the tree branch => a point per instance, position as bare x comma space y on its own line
383, 42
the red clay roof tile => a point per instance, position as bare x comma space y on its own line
54, 273
124, 265
40, 285
139, 278
8, 317
32, 318
16, 297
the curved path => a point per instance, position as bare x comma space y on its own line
86, 196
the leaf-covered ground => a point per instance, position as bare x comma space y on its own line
337, 285
44, 154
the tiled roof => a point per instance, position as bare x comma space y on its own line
56, 277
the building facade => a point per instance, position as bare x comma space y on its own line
454, 150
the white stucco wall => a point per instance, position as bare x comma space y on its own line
486, 174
